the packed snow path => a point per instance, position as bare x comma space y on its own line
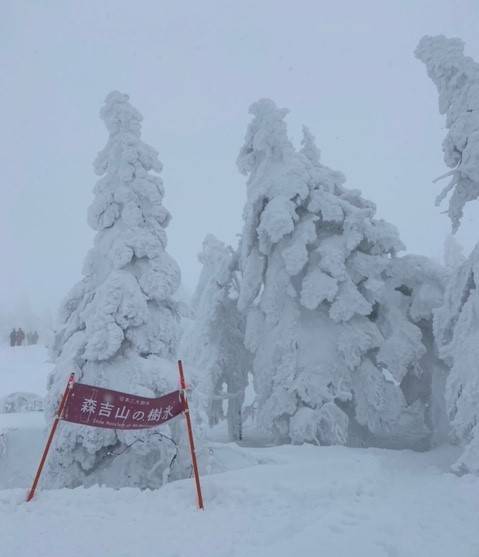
284, 501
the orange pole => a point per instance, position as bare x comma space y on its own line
57, 419
190, 434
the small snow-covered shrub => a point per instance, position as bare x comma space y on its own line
21, 402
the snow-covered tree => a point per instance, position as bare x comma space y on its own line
456, 328
456, 324
414, 290
457, 80
332, 346
214, 341
119, 325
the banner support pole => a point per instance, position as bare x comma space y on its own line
191, 440
56, 421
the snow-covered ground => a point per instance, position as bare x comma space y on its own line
22, 439
22, 369
294, 501
260, 502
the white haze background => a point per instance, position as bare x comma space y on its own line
346, 69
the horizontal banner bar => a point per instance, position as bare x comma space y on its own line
98, 407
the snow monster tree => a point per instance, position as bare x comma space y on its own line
332, 341
119, 324
456, 323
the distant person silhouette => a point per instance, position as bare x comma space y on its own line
13, 337
34, 337
20, 337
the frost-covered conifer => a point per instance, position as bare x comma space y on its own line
457, 80
456, 328
456, 323
330, 356
118, 325
214, 341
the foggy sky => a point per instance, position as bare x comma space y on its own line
344, 68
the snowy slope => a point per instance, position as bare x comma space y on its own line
24, 368
301, 500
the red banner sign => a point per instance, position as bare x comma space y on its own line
98, 407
